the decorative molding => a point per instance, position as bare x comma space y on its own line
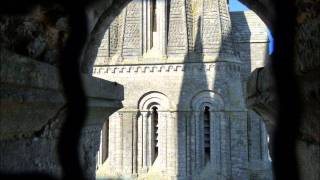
159, 68
209, 98
153, 98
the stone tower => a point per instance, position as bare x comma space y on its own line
184, 114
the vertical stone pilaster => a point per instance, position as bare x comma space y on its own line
127, 134
172, 145
115, 150
145, 141
134, 142
216, 140
140, 144
181, 143
197, 141
150, 135
120, 142
192, 146
226, 140
201, 140
239, 143
111, 140
162, 19
189, 143
144, 25
162, 144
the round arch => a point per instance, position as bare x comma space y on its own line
207, 98
153, 99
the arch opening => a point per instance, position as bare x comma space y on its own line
155, 132
206, 131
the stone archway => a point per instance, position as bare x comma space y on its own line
308, 63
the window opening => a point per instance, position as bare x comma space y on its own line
155, 131
206, 126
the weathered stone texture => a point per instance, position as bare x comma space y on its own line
262, 94
33, 110
38, 34
202, 67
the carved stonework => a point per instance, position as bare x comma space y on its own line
177, 35
132, 39
225, 23
168, 68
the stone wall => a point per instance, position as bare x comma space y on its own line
33, 111
180, 78
251, 44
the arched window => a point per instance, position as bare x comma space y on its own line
153, 107
208, 108
154, 119
206, 131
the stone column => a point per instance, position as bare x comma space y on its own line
112, 137
189, 144
134, 117
162, 138
216, 140
140, 145
239, 144
127, 137
145, 141
200, 141
197, 141
225, 143
171, 145
119, 143
144, 26
150, 151
181, 144
192, 146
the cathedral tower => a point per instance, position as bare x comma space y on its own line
184, 114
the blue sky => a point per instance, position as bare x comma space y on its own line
235, 5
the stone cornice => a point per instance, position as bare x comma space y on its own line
158, 68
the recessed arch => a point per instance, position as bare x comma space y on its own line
153, 112
207, 98
153, 98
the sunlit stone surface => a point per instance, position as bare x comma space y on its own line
175, 61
